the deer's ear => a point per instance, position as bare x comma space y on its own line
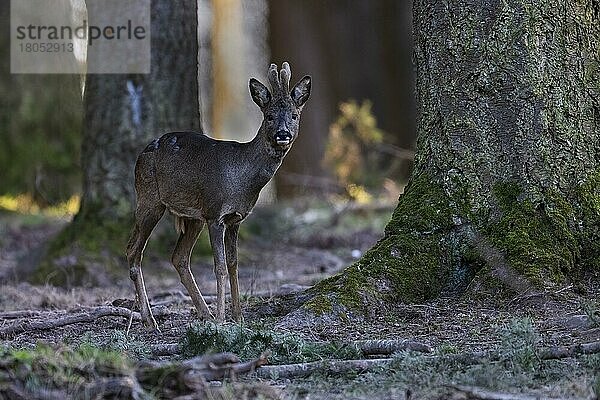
259, 92
301, 92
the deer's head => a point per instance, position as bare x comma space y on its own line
281, 107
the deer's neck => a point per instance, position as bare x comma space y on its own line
264, 157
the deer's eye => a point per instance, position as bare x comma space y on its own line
294, 116
270, 118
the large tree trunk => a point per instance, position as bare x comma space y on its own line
122, 114
506, 185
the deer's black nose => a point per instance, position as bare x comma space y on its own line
283, 137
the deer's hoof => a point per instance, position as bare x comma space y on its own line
206, 316
151, 325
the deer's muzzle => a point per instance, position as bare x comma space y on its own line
283, 138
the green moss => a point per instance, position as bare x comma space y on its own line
319, 305
546, 237
537, 238
588, 205
345, 288
409, 263
424, 208
552, 238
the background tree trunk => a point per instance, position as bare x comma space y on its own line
112, 137
116, 129
506, 183
340, 43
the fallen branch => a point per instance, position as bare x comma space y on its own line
386, 347
558, 352
19, 391
168, 349
549, 353
193, 374
338, 367
87, 315
367, 347
476, 393
335, 367
120, 387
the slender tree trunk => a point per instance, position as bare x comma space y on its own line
122, 114
506, 184
227, 43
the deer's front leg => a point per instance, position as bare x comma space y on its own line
216, 230
231, 235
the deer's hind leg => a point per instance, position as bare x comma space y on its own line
146, 219
181, 261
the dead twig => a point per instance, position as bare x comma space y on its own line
149, 379
395, 151
549, 353
48, 320
476, 393
331, 367
115, 387
18, 391
367, 347
177, 297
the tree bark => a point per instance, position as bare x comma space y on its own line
113, 136
123, 113
506, 179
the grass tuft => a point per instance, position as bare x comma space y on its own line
247, 343
593, 313
117, 341
519, 341
48, 367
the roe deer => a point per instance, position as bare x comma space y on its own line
203, 180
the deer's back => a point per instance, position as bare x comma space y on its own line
201, 177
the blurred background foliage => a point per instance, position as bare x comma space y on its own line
360, 156
357, 132
41, 140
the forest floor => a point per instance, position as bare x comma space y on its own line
478, 345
